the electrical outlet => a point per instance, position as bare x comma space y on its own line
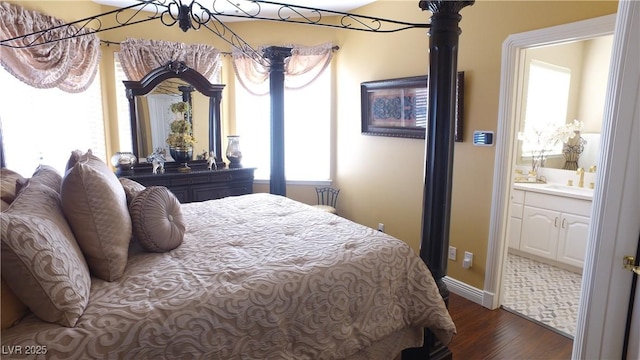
381, 227
468, 260
452, 253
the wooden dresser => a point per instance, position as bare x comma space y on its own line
200, 185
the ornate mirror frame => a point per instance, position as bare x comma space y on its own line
178, 70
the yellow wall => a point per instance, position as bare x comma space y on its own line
381, 178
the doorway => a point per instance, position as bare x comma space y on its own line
514, 51
615, 227
547, 231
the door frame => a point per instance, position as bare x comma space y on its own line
606, 285
512, 62
616, 204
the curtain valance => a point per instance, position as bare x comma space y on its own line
304, 65
139, 56
70, 64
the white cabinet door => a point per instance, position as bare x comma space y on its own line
540, 232
572, 241
515, 227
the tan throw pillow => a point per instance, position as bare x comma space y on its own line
8, 190
131, 188
41, 261
73, 159
157, 219
96, 208
45, 175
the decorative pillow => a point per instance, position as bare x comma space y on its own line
41, 261
8, 190
73, 159
45, 175
157, 219
131, 188
96, 208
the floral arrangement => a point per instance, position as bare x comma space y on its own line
542, 140
180, 108
181, 132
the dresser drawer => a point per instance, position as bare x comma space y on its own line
201, 185
210, 192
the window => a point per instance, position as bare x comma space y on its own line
547, 102
307, 118
43, 126
122, 106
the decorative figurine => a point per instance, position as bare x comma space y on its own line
158, 166
211, 162
157, 158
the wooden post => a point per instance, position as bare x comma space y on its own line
443, 68
276, 56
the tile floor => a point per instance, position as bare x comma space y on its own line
542, 292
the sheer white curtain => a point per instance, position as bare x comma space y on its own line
161, 117
139, 56
71, 64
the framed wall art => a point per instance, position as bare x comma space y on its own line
398, 107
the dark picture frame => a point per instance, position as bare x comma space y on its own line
399, 107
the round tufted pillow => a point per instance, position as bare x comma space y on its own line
157, 219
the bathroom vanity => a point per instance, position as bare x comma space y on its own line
550, 221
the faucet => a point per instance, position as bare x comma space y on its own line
592, 169
581, 173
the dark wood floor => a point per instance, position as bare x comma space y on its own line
499, 334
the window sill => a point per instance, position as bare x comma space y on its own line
298, 182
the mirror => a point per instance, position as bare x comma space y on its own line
563, 82
154, 116
150, 116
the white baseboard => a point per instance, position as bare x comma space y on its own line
469, 292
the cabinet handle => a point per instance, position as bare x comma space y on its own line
563, 221
555, 222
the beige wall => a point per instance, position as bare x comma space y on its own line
594, 84
381, 178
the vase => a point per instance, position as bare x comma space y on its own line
123, 161
182, 155
571, 150
234, 155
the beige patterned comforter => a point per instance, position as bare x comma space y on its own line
257, 277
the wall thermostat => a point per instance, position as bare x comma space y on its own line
483, 138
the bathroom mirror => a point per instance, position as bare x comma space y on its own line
149, 101
560, 83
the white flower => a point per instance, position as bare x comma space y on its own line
545, 138
539, 140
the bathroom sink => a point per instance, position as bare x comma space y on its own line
570, 189
557, 189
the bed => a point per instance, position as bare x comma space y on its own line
257, 276
444, 32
